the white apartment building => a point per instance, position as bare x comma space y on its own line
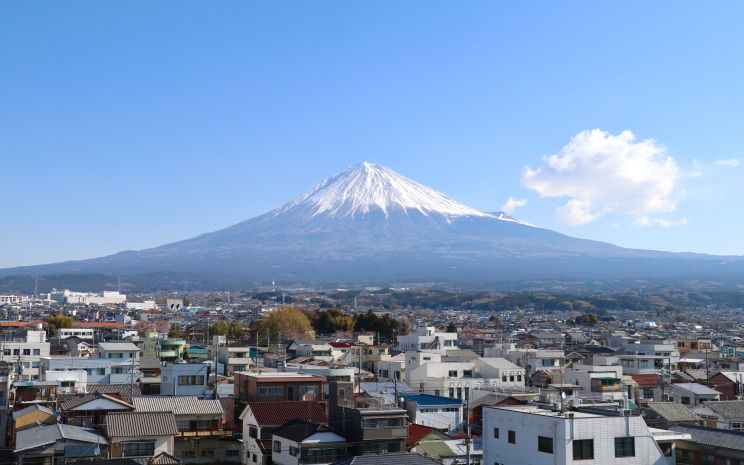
87, 298
598, 382
391, 368
124, 358
427, 374
25, 355
83, 333
427, 338
532, 360
234, 359
535, 435
11, 300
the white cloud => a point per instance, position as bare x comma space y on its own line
512, 204
729, 162
647, 221
603, 173
575, 212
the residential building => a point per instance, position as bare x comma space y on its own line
200, 438
235, 359
281, 386
82, 333
538, 435
260, 419
427, 338
184, 379
6, 380
141, 434
688, 394
599, 382
98, 370
25, 354
124, 357
91, 410
708, 445
48, 443
438, 412
531, 360
724, 414
303, 442
685, 345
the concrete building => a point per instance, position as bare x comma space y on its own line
531, 360
536, 435
427, 338
184, 379
25, 354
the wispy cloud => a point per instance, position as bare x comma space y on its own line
729, 162
643, 221
512, 204
602, 173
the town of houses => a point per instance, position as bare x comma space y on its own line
111, 387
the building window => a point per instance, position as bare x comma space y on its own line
452, 392
496, 433
511, 376
308, 390
191, 380
37, 351
648, 393
519, 377
188, 454
685, 400
583, 449
116, 355
204, 425
453, 373
384, 374
138, 449
26, 351
183, 425
232, 453
277, 446
503, 377
270, 391
467, 373
545, 444
736, 426
625, 447
512, 437
294, 451
253, 432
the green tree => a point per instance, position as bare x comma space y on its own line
332, 320
58, 321
495, 319
587, 319
451, 328
290, 322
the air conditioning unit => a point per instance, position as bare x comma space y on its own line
626, 413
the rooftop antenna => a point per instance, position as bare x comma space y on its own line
36, 288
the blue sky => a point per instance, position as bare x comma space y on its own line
127, 125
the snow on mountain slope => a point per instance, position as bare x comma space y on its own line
365, 188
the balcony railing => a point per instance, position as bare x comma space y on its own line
204, 434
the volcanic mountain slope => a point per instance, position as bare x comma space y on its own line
374, 224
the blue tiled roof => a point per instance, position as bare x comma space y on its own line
426, 399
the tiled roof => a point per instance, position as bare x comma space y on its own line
725, 408
81, 400
41, 435
646, 380
178, 405
712, 436
426, 399
118, 347
398, 458
696, 388
136, 424
34, 408
416, 432
672, 411
299, 430
279, 413
121, 389
149, 363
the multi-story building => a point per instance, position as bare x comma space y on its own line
273, 387
531, 360
442, 413
301, 442
184, 379
235, 359
427, 338
25, 354
536, 435
124, 358
600, 382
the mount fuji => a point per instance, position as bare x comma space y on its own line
369, 224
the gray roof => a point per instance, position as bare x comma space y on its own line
178, 405
78, 401
138, 424
34, 408
725, 408
384, 390
712, 436
118, 347
149, 363
398, 458
672, 411
696, 388
126, 389
298, 430
42, 435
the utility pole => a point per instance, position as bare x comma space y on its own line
467, 428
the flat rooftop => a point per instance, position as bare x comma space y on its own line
547, 411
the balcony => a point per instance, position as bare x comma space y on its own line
204, 434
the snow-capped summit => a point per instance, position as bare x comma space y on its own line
366, 188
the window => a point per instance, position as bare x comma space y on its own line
253, 459
503, 377
26, 364
308, 390
643, 364
519, 377
384, 374
545, 444
583, 449
207, 453
452, 392
191, 380
294, 451
232, 453
270, 391
496, 433
467, 373
67, 384
453, 373
204, 424
116, 355
138, 449
117, 370
183, 425
512, 437
685, 400
736, 426
26, 351
277, 446
188, 453
253, 432
37, 351
625, 447
436, 392
648, 393
16, 351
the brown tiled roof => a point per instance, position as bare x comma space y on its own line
416, 432
279, 413
121, 389
136, 424
646, 380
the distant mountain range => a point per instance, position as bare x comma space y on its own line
369, 224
